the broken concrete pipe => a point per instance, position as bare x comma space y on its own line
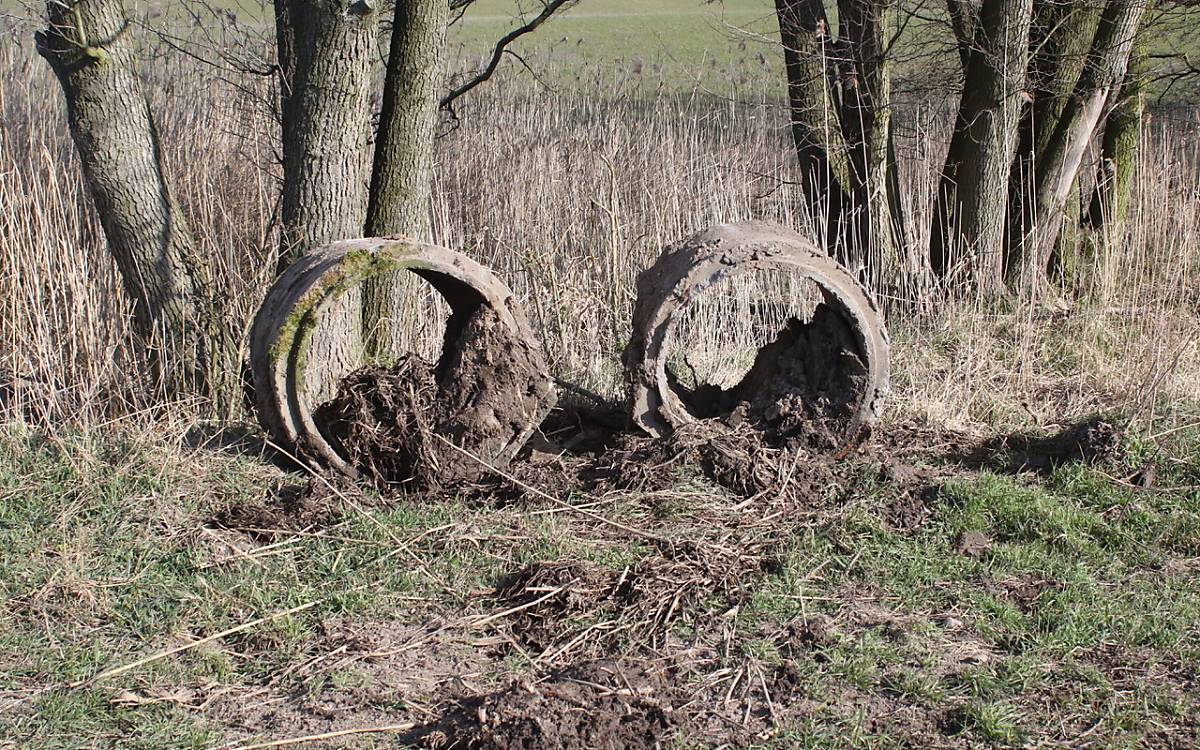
818, 383
487, 393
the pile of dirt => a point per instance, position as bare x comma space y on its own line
741, 459
420, 425
803, 389
544, 595
610, 704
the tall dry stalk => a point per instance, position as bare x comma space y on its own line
568, 194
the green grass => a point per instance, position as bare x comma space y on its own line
1115, 597
1082, 613
680, 42
105, 557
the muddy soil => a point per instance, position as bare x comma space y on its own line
281, 510
416, 424
802, 390
612, 704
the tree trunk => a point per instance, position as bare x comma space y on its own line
809, 59
90, 46
866, 29
839, 93
1103, 71
1060, 39
971, 203
326, 52
402, 177
1118, 152
326, 48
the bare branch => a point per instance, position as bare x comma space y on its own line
498, 51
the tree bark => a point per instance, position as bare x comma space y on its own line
1119, 150
89, 45
970, 206
1103, 72
402, 176
839, 93
326, 49
866, 87
401, 179
1060, 39
809, 58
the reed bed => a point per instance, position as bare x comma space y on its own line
568, 193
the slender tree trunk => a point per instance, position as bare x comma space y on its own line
402, 177
839, 94
1103, 72
327, 49
970, 206
401, 180
90, 46
866, 29
1059, 43
809, 58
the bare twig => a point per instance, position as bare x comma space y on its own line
179, 649
498, 52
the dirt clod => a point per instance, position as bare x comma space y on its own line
803, 389
417, 424
602, 705
971, 543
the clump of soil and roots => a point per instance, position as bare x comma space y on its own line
425, 424
802, 390
609, 703
631, 635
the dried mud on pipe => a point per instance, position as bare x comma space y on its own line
421, 425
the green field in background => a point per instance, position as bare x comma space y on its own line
680, 43
687, 33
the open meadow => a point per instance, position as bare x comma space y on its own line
1010, 558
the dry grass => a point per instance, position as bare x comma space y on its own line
568, 194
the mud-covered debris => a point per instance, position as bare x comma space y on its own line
740, 459
416, 424
547, 594
803, 388
281, 510
610, 704
971, 543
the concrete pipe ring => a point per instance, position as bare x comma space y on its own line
282, 347
666, 290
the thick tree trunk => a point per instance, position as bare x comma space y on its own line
326, 52
402, 177
1103, 72
90, 45
326, 49
971, 203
